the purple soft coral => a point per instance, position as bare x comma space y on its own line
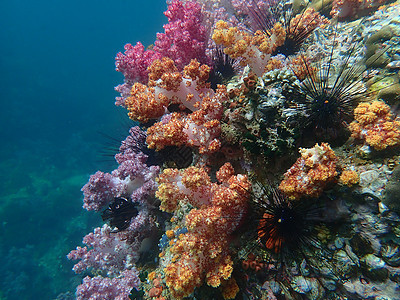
133, 178
99, 287
111, 251
99, 191
108, 251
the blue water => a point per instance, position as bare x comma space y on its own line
56, 91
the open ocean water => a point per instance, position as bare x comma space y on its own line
57, 93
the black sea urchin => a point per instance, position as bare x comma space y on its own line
329, 95
281, 226
285, 227
297, 27
223, 68
289, 243
119, 213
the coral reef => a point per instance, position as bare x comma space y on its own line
212, 175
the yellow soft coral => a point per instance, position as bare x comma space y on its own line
349, 178
374, 123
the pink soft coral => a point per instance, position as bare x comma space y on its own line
185, 36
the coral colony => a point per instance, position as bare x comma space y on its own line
263, 163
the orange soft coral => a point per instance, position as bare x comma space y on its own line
191, 185
375, 124
184, 275
167, 86
200, 128
197, 125
241, 44
202, 254
305, 23
311, 173
168, 191
142, 104
161, 66
168, 132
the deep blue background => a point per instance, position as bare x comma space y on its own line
57, 76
